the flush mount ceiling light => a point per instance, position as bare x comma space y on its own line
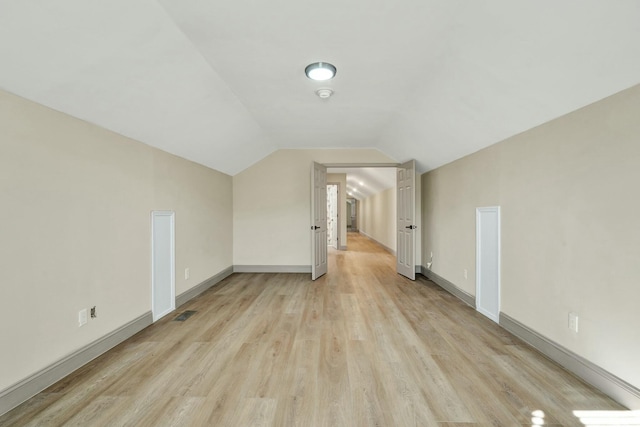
320, 71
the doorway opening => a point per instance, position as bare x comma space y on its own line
352, 214
384, 212
332, 216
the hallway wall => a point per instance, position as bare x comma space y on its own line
377, 218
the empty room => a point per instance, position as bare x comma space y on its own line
363, 213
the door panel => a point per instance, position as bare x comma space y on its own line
406, 200
163, 264
488, 262
318, 220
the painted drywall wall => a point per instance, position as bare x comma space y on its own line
380, 213
202, 200
378, 218
568, 192
272, 204
76, 202
341, 180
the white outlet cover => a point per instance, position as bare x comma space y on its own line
82, 317
187, 273
573, 322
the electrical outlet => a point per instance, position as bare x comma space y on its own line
573, 322
93, 312
466, 274
187, 273
82, 317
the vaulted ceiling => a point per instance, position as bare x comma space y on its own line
222, 82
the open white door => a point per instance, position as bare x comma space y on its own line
406, 200
318, 220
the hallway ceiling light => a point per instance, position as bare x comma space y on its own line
320, 71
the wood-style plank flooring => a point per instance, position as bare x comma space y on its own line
362, 346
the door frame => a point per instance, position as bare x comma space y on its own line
354, 165
481, 289
172, 266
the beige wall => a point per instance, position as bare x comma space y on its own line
272, 205
569, 196
378, 218
76, 202
379, 213
341, 180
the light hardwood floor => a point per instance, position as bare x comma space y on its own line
361, 346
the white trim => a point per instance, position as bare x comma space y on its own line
172, 267
361, 165
493, 316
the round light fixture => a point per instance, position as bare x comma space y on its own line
324, 93
320, 71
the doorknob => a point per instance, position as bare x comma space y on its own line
314, 227
411, 227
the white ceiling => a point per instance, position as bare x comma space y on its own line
222, 82
365, 182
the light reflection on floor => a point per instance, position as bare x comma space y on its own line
608, 418
537, 418
596, 418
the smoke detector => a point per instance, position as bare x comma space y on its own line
324, 93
